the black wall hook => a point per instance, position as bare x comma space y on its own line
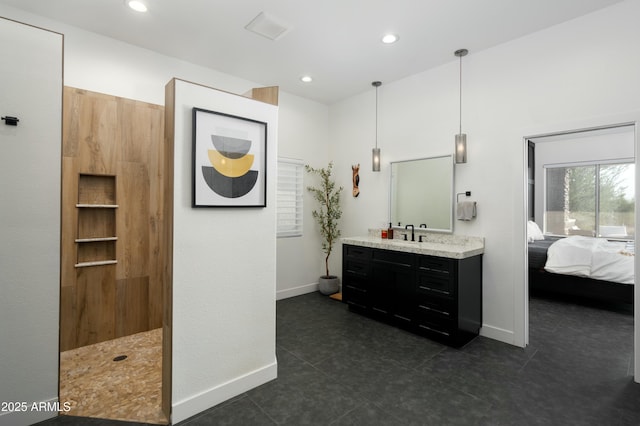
10, 121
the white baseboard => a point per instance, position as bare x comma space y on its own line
30, 413
496, 333
296, 291
189, 407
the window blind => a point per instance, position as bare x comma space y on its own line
289, 197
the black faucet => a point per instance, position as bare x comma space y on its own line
413, 237
423, 225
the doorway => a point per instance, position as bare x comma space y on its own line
571, 153
113, 257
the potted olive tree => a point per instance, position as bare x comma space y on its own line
327, 217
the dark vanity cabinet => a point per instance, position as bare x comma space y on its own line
438, 297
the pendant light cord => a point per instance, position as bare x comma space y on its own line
460, 131
376, 117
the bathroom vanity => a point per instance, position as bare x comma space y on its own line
432, 288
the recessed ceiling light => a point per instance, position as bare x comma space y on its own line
389, 38
306, 79
137, 5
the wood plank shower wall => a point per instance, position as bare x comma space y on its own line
111, 141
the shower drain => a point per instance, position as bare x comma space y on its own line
120, 358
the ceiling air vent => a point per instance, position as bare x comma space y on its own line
267, 26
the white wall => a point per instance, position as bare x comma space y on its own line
578, 74
224, 272
303, 135
31, 75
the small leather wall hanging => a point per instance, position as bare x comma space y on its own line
355, 177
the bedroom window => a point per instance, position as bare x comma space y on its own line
591, 199
289, 198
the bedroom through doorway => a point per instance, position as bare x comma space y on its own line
580, 208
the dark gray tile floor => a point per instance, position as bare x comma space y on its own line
339, 368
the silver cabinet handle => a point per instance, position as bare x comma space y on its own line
434, 330
434, 310
433, 289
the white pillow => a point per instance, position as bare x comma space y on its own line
533, 232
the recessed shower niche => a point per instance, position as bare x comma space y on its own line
96, 235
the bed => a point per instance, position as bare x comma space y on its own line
581, 267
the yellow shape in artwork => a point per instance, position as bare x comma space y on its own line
228, 166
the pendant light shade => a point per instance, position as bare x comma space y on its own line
375, 159
461, 148
375, 152
461, 138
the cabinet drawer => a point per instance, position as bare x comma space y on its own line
436, 264
354, 295
435, 284
357, 252
356, 267
396, 258
436, 310
436, 328
357, 281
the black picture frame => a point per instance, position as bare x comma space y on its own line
229, 160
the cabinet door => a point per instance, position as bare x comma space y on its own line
403, 309
393, 285
382, 278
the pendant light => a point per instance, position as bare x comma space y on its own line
461, 138
375, 157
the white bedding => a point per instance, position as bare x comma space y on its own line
589, 257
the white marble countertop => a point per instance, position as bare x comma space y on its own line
451, 246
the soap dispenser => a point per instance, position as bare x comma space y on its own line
390, 232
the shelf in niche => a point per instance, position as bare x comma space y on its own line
97, 206
96, 263
94, 240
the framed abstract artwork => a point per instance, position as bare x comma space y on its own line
229, 160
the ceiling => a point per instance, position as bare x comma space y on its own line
337, 42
